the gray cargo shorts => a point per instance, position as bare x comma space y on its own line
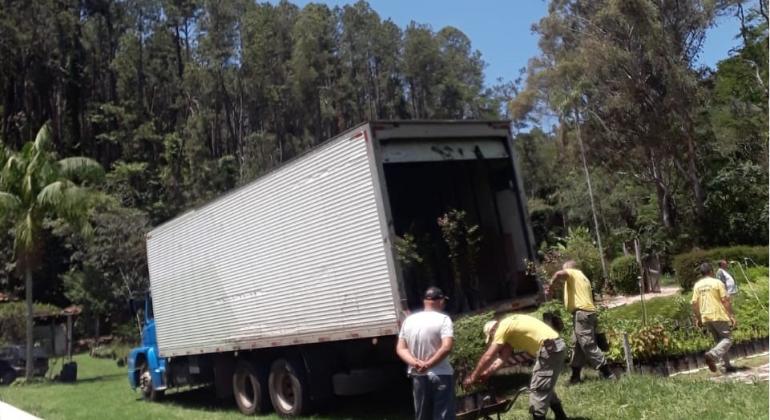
545, 373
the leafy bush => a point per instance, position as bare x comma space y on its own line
751, 274
579, 246
624, 274
469, 343
686, 265
13, 322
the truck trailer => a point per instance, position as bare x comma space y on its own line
290, 290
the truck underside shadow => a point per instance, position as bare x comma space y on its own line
394, 402
421, 192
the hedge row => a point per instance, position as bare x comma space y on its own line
686, 265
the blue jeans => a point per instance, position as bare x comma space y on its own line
434, 397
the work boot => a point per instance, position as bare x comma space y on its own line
575, 378
606, 372
558, 410
711, 361
536, 417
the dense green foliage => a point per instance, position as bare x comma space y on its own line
624, 274
676, 153
686, 264
469, 343
180, 101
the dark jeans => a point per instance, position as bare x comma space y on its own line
434, 397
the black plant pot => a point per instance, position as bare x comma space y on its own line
700, 361
692, 362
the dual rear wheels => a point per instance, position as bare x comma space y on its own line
284, 387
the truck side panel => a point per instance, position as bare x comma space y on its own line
295, 257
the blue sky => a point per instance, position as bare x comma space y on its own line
501, 30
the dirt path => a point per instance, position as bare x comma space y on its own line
748, 375
614, 301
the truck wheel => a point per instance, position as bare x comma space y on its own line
250, 388
289, 388
149, 392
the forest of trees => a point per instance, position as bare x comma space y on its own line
178, 101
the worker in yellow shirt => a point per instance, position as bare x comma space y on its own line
579, 300
535, 339
713, 310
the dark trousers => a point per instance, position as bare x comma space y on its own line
434, 397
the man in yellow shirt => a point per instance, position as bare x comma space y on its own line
535, 339
712, 309
579, 300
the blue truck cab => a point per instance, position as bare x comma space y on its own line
146, 369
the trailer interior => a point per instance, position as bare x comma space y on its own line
427, 179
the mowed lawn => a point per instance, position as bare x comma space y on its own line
102, 392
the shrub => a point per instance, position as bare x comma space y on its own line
469, 343
751, 274
686, 265
579, 246
624, 274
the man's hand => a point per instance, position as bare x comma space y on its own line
420, 366
470, 380
547, 291
733, 321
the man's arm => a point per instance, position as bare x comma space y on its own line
441, 353
696, 312
503, 359
484, 363
406, 355
726, 302
557, 280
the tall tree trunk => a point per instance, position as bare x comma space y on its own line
694, 177
179, 62
591, 196
30, 363
662, 192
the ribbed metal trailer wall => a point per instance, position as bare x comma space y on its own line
296, 256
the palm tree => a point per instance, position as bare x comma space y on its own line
35, 187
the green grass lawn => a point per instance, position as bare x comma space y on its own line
664, 306
654, 397
102, 392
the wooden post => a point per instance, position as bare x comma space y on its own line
629, 357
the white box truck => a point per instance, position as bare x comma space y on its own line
288, 290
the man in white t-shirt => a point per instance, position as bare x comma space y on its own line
727, 279
425, 340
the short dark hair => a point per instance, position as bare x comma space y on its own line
705, 268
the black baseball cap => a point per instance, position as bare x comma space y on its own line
434, 293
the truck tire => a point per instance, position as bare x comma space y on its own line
149, 393
250, 388
289, 388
